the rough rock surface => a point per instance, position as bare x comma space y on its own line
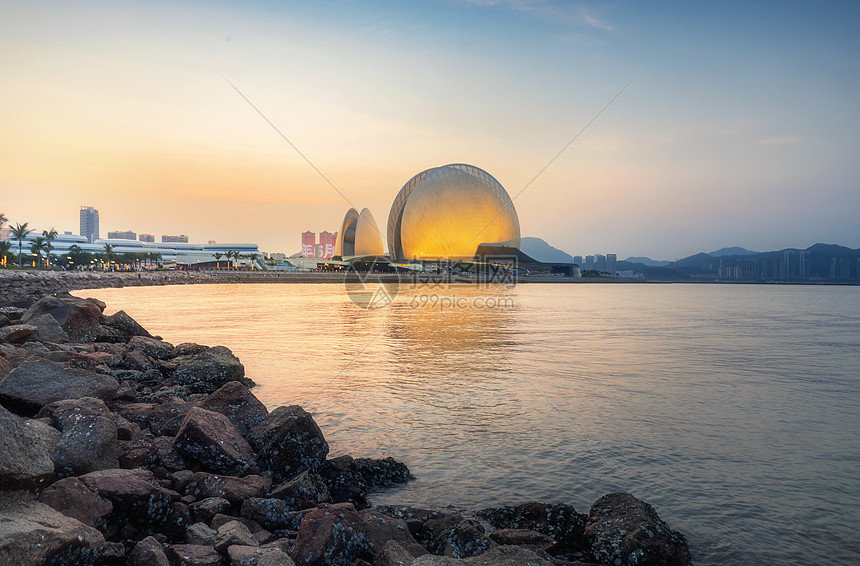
288, 441
24, 458
135, 495
233, 489
87, 445
36, 383
304, 491
254, 556
210, 439
627, 532
237, 403
560, 522
73, 499
193, 555
79, 318
498, 556
208, 370
32, 533
344, 482
147, 552
234, 532
272, 514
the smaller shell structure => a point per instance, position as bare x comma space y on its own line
359, 235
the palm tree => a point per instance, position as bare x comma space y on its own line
3, 220
49, 236
36, 247
253, 257
108, 253
5, 246
19, 232
218, 256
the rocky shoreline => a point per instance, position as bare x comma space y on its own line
117, 447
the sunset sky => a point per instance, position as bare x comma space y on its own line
741, 128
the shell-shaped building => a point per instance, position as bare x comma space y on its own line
447, 212
359, 235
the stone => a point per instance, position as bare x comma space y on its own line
208, 370
127, 326
497, 556
392, 554
24, 459
80, 318
559, 522
17, 333
272, 514
88, 445
147, 552
168, 456
304, 491
36, 383
180, 479
12, 313
177, 521
152, 347
135, 495
522, 537
73, 499
69, 411
237, 403
454, 535
166, 418
49, 330
211, 440
193, 555
32, 533
140, 453
200, 533
5, 367
221, 519
111, 553
626, 531
189, 349
233, 489
204, 510
49, 435
288, 441
344, 482
232, 533
384, 472
253, 556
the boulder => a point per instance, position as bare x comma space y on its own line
36, 383
12, 313
211, 440
166, 418
254, 556
232, 533
201, 534
17, 333
125, 325
69, 411
204, 510
167, 455
208, 370
442, 533
135, 495
497, 556
237, 403
393, 554
32, 533
522, 537
384, 472
304, 491
147, 552
87, 445
24, 458
49, 330
559, 522
73, 499
233, 489
193, 555
272, 514
80, 318
626, 531
40, 428
139, 453
288, 441
344, 482
5, 367
152, 347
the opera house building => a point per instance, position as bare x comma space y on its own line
447, 212
359, 236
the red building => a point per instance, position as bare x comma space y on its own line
327, 243
309, 240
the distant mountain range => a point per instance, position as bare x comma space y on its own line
647, 261
541, 251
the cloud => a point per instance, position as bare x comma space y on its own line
549, 10
594, 21
782, 140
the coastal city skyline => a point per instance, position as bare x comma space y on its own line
738, 128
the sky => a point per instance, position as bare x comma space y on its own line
741, 125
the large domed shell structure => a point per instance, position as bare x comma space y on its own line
447, 212
359, 235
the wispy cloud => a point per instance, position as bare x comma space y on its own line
571, 14
595, 21
782, 140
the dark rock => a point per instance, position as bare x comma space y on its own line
189, 349
497, 556
41, 429
137, 413
626, 531
17, 333
148, 552
12, 313
344, 482
80, 318
253, 556
453, 535
35, 383
69, 411
234, 532
193, 555
87, 445
127, 326
203, 510
111, 554
73, 499
24, 458
49, 330
136, 360
392, 554
152, 347
135, 495
384, 472
201, 534
233, 489
288, 441
207, 371
559, 522
177, 521
211, 440
5, 367
180, 479
140, 453
272, 514
237, 403
304, 491
166, 418
221, 519
31, 533
522, 537
168, 457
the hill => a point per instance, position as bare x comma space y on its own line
542, 251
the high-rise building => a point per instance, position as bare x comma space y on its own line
309, 242
146, 238
327, 243
90, 223
577, 259
180, 239
611, 260
123, 235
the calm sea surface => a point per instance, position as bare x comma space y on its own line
734, 410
